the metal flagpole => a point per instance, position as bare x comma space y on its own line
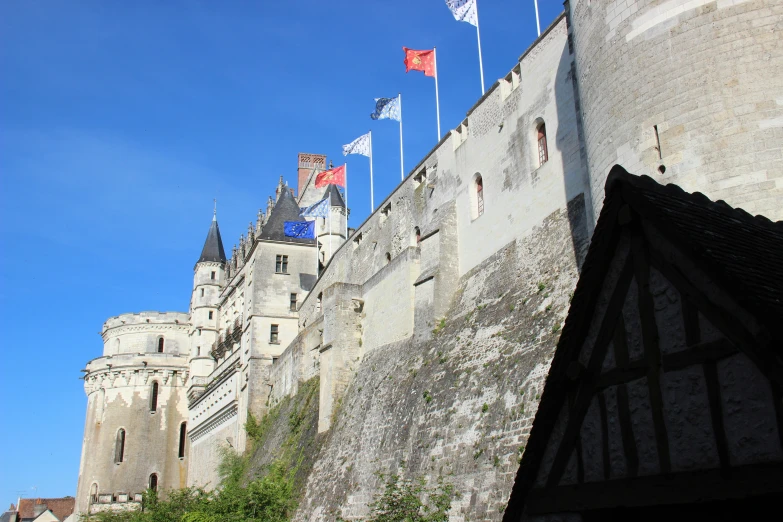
346, 201
399, 99
538, 24
481, 64
437, 101
330, 225
372, 201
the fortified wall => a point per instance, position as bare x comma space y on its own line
482, 226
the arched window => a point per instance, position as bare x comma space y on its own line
117, 345
416, 235
94, 493
154, 397
154, 482
543, 154
388, 258
119, 447
479, 196
182, 433
160, 345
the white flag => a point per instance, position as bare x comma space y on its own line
464, 11
360, 145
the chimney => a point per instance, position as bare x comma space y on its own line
307, 163
38, 508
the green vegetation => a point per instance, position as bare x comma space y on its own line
485, 408
401, 501
441, 326
427, 396
266, 499
541, 287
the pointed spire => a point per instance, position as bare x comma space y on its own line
213, 246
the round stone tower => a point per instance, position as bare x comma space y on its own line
686, 91
209, 276
135, 429
331, 231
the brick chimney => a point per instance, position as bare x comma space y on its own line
308, 162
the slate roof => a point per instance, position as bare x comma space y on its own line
335, 198
740, 252
213, 246
60, 507
286, 209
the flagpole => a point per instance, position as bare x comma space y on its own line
372, 201
346, 200
399, 97
478, 35
538, 24
437, 100
330, 226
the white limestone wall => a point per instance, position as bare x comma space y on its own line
139, 333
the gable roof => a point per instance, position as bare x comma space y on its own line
285, 209
60, 507
213, 246
740, 253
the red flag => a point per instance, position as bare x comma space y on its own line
420, 61
335, 176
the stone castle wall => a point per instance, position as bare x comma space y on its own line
693, 85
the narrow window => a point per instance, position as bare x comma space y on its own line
281, 264
199, 332
202, 292
479, 196
198, 351
543, 155
212, 275
285, 264
210, 315
154, 482
160, 345
417, 233
273, 334
154, 398
94, 493
388, 258
182, 432
293, 303
318, 302
119, 447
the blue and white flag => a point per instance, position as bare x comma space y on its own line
319, 209
387, 108
300, 229
464, 11
360, 145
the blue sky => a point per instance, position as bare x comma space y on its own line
121, 121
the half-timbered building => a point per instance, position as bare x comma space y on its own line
663, 401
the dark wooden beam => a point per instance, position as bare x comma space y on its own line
626, 431
604, 436
690, 319
678, 488
701, 353
652, 353
620, 344
580, 468
719, 315
716, 413
615, 376
586, 385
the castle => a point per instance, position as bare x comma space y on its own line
687, 92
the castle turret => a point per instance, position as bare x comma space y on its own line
209, 277
331, 231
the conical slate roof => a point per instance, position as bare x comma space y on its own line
286, 209
335, 198
213, 246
